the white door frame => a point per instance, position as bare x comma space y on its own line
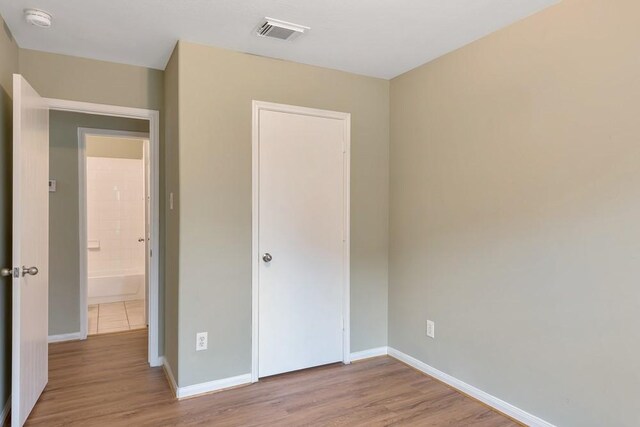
153, 298
83, 226
258, 106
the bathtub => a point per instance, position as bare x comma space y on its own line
105, 289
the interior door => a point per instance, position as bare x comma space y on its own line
301, 241
30, 249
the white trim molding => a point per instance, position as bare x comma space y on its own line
5, 411
484, 397
170, 378
258, 106
73, 336
212, 386
153, 117
204, 388
369, 353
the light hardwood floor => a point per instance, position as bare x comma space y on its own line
105, 381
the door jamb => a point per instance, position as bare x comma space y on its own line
257, 106
153, 116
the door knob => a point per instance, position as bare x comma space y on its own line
6, 272
32, 271
267, 257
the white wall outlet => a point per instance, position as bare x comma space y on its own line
431, 329
201, 341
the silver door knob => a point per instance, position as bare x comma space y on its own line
32, 271
267, 257
6, 272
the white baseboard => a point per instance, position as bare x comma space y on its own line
498, 404
211, 386
169, 374
74, 336
204, 388
366, 354
5, 411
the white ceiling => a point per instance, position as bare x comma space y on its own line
381, 38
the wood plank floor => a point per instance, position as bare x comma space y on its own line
105, 381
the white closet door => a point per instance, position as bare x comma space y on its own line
301, 241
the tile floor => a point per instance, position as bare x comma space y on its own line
116, 317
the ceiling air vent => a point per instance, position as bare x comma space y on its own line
280, 30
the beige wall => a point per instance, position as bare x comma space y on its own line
64, 249
8, 66
89, 80
9, 58
114, 147
216, 90
172, 218
515, 198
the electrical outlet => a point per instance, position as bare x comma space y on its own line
431, 329
201, 341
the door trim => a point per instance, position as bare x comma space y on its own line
153, 117
258, 106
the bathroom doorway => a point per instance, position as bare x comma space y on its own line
114, 196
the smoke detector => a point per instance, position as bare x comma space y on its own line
37, 17
281, 30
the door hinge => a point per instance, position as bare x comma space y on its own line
150, 253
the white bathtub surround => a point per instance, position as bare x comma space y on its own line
115, 224
116, 288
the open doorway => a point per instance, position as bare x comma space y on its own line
109, 154
114, 226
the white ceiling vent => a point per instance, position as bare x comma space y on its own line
280, 30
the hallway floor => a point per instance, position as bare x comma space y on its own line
106, 381
116, 317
